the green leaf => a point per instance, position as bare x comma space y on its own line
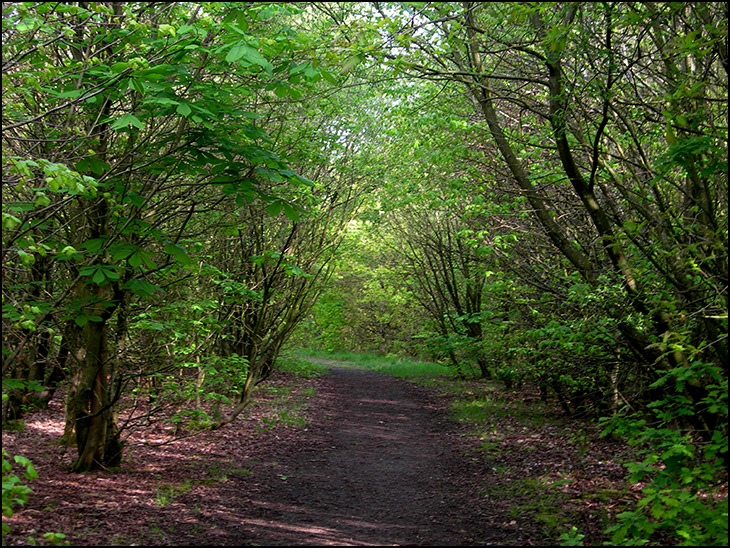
15, 384
160, 100
670, 136
135, 256
329, 77
122, 251
270, 174
10, 221
82, 320
274, 208
134, 199
236, 52
290, 212
72, 94
292, 270
93, 245
224, 179
111, 272
351, 63
100, 273
159, 72
141, 288
179, 253
119, 67
255, 58
30, 473
136, 85
241, 20
302, 180
26, 258
97, 166
148, 260
166, 30
126, 121
183, 109
282, 90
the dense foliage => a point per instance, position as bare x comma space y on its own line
532, 192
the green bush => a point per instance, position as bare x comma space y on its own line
15, 493
681, 468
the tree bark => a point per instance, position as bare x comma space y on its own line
97, 439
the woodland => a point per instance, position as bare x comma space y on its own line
531, 194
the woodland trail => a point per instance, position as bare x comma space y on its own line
380, 467
378, 462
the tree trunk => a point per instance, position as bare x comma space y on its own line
90, 403
484, 371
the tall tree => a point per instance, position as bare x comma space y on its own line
554, 89
123, 123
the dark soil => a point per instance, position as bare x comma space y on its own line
378, 462
381, 467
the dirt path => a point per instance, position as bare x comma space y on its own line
378, 463
378, 468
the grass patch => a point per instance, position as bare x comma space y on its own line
240, 472
281, 390
475, 411
543, 503
15, 425
166, 493
219, 473
283, 416
409, 369
308, 391
300, 367
392, 365
338, 355
285, 404
535, 500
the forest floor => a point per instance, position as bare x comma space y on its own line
351, 458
